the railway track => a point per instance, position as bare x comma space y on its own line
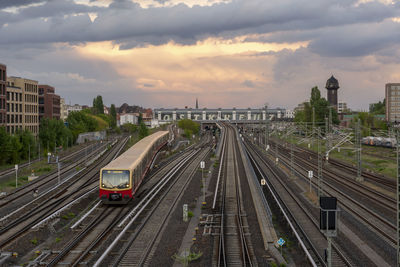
336, 186
97, 229
43, 183
299, 212
151, 215
49, 190
98, 225
38, 212
27, 164
387, 183
234, 245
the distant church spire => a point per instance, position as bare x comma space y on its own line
197, 104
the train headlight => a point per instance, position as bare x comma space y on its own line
127, 185
102, 185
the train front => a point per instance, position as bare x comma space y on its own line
115, 186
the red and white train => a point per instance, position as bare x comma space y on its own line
121, 178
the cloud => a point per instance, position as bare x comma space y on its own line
248, 83
68, 21
228, 53
16, 3
356, 40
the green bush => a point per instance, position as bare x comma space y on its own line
189, 127
190, 214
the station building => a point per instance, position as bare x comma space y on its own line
219, 114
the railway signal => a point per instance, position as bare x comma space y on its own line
185, 212
202, 166
310, 175
328, 222
263, 181
16, 175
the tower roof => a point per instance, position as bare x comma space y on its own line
332, 83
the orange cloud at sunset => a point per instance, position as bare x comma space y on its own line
211, 65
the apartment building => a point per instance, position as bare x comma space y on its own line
49, 103
3, 83
342, 107
392, 94
14, 108
30, 106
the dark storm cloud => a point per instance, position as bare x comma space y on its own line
356, 40
16, 3
124, 20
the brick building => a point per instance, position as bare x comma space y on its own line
49, 103
3, 83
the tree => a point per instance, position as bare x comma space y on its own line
28, 144
113, 114
189, 127
143, 130
98, 107
5, 146
378, 108
53, 132
129, 128
321, 107
140, 119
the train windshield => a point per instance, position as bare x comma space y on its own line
115, 179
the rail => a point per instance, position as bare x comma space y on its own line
134, 214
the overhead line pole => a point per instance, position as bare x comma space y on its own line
319, 164
358, 151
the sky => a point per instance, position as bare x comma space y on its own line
226, 53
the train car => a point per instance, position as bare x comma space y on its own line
121, 178
379, 141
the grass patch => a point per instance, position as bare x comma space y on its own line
39, 168
34, 241
186, 260
371, 157
190, 214
69, 215
58, 239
